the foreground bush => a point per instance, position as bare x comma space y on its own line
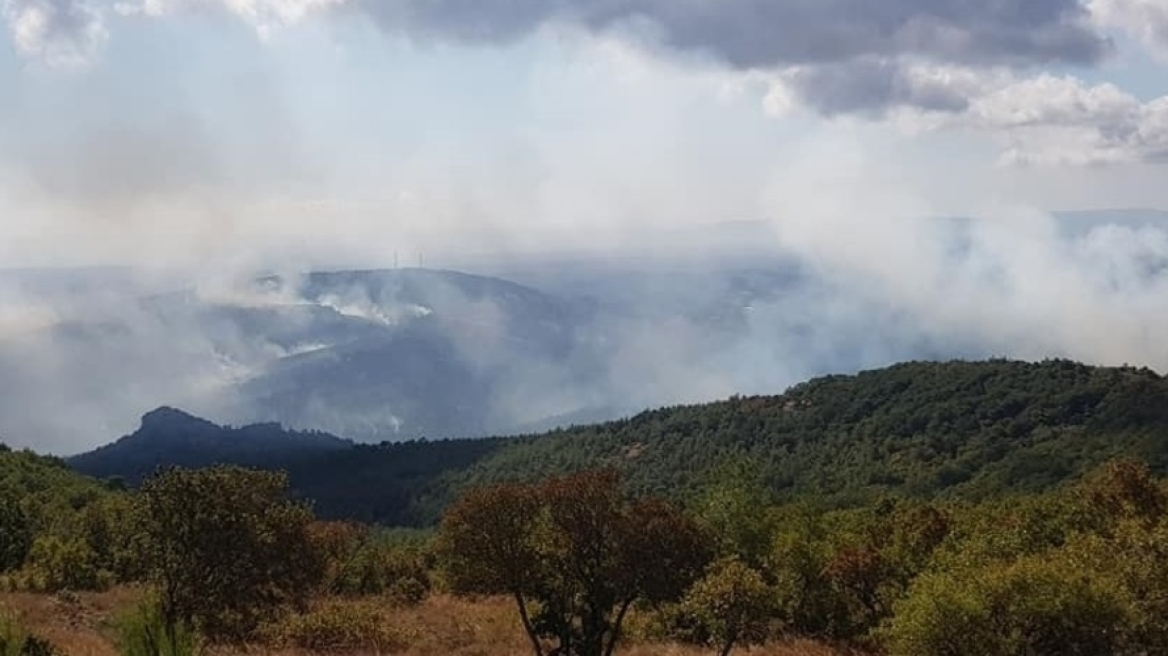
143, 631
227, 548
1033, 607
382, 567
731, 604
338, 627
64, 564
15, 532
15, 641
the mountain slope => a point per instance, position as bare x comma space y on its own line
956, 428
394, 354
172, 437
924, 428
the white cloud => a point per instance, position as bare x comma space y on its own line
72, 33
1061, 120
265, 16
61, 34
1146, 20
1037, 120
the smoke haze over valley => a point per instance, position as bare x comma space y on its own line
534, 342
221, 205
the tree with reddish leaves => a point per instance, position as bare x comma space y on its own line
575, 553
488, 543
1123, 489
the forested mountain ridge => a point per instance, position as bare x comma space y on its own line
168, 436
921, 428
973, 429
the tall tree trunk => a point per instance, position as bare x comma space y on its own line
527, 624
730, 640
616, 627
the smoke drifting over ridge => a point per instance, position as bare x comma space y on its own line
1013, 280
610, 335
603, 133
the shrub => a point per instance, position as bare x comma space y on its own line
34, 646
400, 571
108, 530
15, 641
15, 533
338, 627
1038, 606
143, 631
409, 591
732, 604
64, 564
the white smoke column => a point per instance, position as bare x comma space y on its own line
1009, 279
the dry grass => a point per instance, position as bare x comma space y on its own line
77, 624
80, 625
793, 648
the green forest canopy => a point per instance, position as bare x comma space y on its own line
968, 429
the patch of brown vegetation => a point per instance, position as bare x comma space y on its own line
791, 648
81, 625
78, 624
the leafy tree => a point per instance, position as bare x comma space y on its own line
805, 597
732, 604
911, 535
339, 544
858, 574
488, 544
1134, 556
15, 533
107, 527
1125, 489
736, 505
576, 551
226, 547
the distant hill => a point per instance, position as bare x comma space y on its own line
169, 436
393, 354
370, 482
973, 429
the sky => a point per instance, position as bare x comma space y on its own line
213, 133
